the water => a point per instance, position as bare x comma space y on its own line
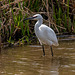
28, 60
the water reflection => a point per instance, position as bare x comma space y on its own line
27, 60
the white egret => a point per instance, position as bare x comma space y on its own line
45, 34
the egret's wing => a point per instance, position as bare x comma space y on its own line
49, 34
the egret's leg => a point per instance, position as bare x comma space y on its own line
51, 50
43, 50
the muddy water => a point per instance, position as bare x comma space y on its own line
28, 60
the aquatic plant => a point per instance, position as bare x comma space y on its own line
56, 14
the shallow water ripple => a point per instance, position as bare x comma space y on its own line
27, 60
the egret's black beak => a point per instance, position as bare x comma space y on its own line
29, 18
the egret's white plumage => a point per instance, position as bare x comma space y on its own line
45, 34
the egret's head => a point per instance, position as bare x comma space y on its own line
35, 17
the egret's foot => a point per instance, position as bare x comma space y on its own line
42, 55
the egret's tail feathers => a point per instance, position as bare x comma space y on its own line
57, 44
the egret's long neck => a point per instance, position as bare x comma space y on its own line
38, 24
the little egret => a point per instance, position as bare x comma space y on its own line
45, 34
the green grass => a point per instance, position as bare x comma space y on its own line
61, 17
